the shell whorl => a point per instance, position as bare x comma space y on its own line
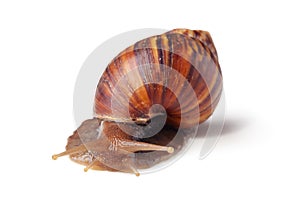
161, 69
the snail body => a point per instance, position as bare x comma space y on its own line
173, 78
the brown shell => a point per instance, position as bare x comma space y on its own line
178, 70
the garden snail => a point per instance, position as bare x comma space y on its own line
149, 91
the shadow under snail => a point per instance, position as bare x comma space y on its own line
150, 90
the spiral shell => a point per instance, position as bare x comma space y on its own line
150, 72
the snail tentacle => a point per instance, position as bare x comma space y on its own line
71, 151
134, 146
90, 165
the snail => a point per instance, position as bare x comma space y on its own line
145, 95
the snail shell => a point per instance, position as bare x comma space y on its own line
177, 70
191, 53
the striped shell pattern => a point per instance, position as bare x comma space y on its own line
178, 70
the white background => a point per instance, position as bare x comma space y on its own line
42, 48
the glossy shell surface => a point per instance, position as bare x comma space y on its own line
178, 70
